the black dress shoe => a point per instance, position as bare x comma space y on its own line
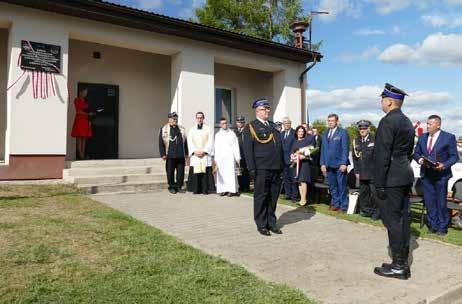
222, 194
401, 272
275, 230
172, 190
264, 231
181, 191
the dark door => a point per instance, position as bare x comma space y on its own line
103, 100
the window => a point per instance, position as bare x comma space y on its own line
224, 105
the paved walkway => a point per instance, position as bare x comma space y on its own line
327, 258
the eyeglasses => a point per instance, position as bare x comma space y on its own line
265, 108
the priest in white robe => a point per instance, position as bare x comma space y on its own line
227, 157
200, 144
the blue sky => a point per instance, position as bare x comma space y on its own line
413, 44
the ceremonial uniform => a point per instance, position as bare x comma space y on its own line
263, 155
243, 178
393, 178
363, 149
173, 145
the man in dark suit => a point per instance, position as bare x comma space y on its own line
363, 149
334, 162
393, 178
243, 178
288, 138
441, 149
263, 155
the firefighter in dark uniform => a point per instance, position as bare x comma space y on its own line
263, 155
393, 178
363, 149
243, 179
173, 148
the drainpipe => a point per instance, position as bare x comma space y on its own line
304, 115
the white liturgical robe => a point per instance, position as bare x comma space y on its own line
200, 139
226, 157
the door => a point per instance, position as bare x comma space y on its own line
103, 100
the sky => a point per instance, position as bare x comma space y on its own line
415, 45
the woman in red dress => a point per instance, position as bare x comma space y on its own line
82, 126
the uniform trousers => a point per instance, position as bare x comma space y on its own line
265, 197
172, 165
366, 203
435, 192
395, 212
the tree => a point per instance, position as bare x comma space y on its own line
266, 19
319, 124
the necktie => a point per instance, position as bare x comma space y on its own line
330, 135
287, 134
430, 145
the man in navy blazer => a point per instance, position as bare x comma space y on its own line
441, 148
334, 161
288, 138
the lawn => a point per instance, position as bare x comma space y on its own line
454, 236
57, 246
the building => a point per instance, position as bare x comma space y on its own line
139, 66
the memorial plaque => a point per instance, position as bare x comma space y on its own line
40, 57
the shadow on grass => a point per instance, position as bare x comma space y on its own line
296, 215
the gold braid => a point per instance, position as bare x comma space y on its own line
357, 154
254, 135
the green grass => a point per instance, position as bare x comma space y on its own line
454, 236
57, 246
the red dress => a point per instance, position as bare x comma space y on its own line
82, 126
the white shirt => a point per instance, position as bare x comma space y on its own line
331, 132
286, 133
265, 122
435, 137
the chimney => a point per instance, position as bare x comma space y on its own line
299, 28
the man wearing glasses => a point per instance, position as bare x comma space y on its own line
263, 155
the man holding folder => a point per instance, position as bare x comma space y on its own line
436, 152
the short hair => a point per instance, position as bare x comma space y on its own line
200, 113
435, 117
298, 128
223, 118
286, 118
333, 115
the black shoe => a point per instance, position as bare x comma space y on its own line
181, 191
205, 193
172, 190
264, 231
394, 271
222, 194
275, 230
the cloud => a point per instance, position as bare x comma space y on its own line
444, 50
362, 102
369, 32
454, 2
364, 55
443, 21
337, 7
388, 6
188, 12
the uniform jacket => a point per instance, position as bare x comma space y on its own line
363, 153
394, 142
334, 153
267, 156
240, 136
444, 151
287, 144
173, 145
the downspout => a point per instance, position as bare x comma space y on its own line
303, 93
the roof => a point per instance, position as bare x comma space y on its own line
107, 12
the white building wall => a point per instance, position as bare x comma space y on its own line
247, 85
36, 126
3, 86
144, 93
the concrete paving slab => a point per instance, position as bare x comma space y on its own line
329, 259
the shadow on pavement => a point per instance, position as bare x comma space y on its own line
295, 216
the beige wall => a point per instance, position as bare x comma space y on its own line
247, 85
3, 85
144, 92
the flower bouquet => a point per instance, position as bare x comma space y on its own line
302, 153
